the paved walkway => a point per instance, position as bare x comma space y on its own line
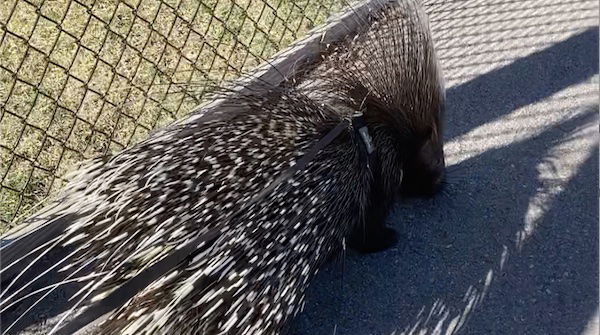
511, 247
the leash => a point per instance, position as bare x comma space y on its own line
129, 289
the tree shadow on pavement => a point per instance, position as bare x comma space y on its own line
523, 82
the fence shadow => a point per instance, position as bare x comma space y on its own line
523, 82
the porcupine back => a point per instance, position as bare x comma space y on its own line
134, 209
159, 194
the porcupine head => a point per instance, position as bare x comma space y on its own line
390, 73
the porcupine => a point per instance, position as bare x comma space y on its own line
125, 214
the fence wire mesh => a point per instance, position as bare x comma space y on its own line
83, 78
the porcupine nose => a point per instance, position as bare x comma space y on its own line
439, 176
435, 186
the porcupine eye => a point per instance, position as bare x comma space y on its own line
424, 171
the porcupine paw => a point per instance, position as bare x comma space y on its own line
375, 241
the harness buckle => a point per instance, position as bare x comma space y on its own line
359, 124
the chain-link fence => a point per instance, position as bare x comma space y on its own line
82, 78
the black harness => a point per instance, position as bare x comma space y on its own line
134, 285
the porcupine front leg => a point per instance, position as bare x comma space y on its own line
373, 235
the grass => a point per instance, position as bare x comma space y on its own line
84, 78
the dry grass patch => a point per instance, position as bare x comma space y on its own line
82, 78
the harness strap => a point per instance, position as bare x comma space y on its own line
129, 289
